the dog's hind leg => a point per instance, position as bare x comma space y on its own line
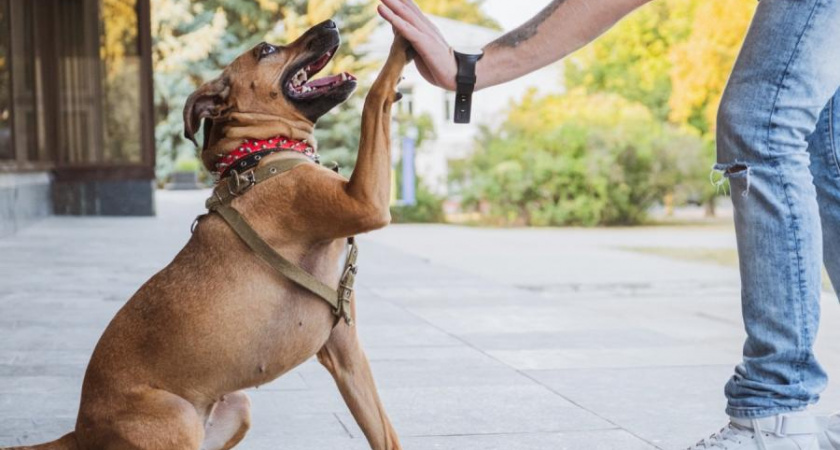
144, 418
228, 422
346, 361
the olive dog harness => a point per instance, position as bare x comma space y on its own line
237, 184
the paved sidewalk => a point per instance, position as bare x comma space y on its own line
479, 338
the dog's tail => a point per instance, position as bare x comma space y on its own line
68, 442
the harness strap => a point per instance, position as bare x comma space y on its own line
237, 184
228, 189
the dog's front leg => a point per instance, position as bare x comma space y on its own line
346, 361
370, 183
337, 207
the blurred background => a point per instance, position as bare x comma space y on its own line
622, 133
579, 273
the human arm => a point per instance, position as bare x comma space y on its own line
558, 30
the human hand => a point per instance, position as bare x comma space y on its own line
433, 56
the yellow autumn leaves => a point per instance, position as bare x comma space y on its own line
673, 56
701, 64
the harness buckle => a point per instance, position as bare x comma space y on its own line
345, 293
241, 182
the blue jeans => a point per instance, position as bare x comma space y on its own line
778, 137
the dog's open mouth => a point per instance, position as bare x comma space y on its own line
301, 86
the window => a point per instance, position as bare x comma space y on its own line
77, 45
24, 88
448, 105
6, 149
74, 84
120, 52
19, 113
406, 105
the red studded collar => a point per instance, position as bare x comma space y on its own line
251, 151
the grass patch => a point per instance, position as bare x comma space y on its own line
720, 256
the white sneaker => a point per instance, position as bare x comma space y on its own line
798, 431
832, 434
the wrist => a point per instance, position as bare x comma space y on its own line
450, 83
482, 72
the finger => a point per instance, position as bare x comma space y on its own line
413, 6
403, 27
412, 15
430, 48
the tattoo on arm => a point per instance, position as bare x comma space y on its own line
527, 30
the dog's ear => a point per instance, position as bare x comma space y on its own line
208, 131
205, 103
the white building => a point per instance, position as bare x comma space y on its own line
455, 141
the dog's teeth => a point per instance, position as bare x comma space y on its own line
299, 78
343, 77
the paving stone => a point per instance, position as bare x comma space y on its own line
420, 367
512, 318
584, 340
34, 430
263, 441
481, 410
685, 355
51, 385
670, 407
390, 335
589, 440
484, 339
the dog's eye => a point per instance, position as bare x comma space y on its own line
267, 49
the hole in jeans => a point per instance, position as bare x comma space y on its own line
730, 171
736, 169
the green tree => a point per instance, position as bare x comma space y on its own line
634, 58
703, 61
195, 39
673, 56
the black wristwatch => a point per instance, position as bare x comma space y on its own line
465, 81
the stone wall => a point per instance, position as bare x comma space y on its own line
104, 198
24, 199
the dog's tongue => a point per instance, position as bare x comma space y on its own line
326, 81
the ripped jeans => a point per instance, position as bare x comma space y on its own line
778, 136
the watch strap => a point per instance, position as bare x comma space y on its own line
465, 82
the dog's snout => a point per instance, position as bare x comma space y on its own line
329, 25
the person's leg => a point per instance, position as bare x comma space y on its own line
786, 73
824, 147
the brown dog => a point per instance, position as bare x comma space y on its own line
169, 371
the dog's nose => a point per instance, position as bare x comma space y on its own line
329, 24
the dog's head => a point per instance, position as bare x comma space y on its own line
273, 81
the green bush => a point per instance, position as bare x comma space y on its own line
577, 159
187, 165
429, 209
